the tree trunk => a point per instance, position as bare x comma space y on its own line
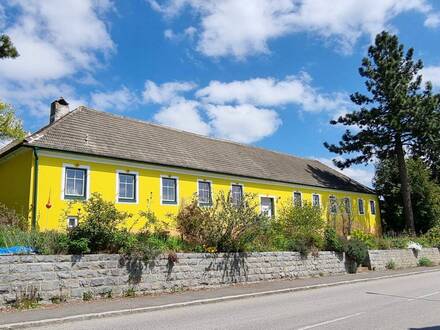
405, 187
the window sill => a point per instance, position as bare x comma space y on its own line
127, 201
170, 203
74, 198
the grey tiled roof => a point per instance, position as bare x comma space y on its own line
99, 133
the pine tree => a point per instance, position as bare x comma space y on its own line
7, 48
394, 118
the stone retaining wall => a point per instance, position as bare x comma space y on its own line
402, 258
98, 275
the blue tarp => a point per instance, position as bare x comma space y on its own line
17, 250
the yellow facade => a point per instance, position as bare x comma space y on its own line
16, 181
52, 209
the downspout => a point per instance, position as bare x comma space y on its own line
35, 189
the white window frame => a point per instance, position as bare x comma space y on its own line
75, 218
63, 181
198, 192
319, 199
330, 197
169, 203
375, 208
363, 206
274, 200
237, 184
349, 204
300, 195
136, 188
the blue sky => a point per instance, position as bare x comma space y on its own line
268, 73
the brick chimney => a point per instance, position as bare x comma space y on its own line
58, 109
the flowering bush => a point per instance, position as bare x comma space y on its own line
414, 246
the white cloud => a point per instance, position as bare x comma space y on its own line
183, 115
165, 93
119, 100
272, 92
432, 20
189, 33
35, 98
243, 28
361, 174
432, 74
56, 42
242, 123
243, 111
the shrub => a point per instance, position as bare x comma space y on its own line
357, 251
367, 238
79, 246
8, 217
433, 236
87, 296
99, 225
390, 265
224, 227
153, 224
129, 293
425, 262
384, 243
303, 226
332, 241
27, 299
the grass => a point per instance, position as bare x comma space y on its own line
390, 265
425, 262
129, 293
87, 296
27, 299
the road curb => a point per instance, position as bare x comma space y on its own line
90, 316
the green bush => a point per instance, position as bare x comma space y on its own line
425, 262
79, 246
99, 225
224, 227
303, 225
357, 251
332, 241
390, 265
433, 236
384, 243
368, 238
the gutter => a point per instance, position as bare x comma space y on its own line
35, 189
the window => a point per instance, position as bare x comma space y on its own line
236, 194
316, 200
333, 205
347, 205
297, 198
267, 206
169, 190
372, 207
72, 222
361, 206
204, 194
127, 187
75, 183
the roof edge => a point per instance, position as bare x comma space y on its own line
365, 191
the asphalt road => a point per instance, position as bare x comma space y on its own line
411, 302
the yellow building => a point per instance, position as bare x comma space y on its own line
140, 166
